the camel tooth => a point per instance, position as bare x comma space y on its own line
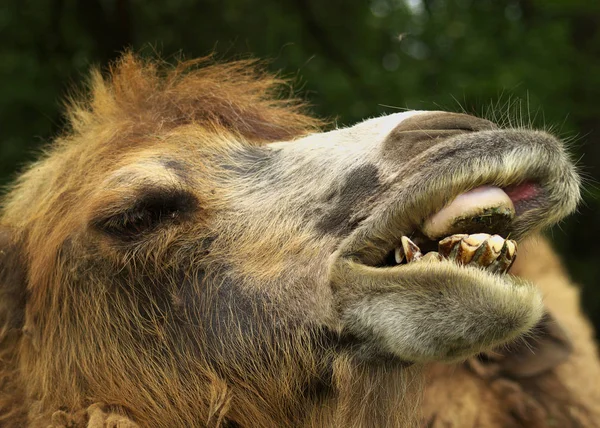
399, 255
411, 251
431, 256
476, 239
511, 248
507, 257
488, 252
446, 245
491, 252
496, 243
467, 250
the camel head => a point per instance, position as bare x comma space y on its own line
195, 251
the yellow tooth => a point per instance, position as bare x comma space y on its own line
399, 255
511, 248
466, 251
488, 252
476, 239
446, 244
431, 256
496, 242
411, 251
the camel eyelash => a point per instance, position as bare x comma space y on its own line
153, 209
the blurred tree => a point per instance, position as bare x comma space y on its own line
350, 59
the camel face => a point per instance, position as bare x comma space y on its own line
223, 264
359, 190
250, 246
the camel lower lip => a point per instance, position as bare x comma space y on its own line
378, 300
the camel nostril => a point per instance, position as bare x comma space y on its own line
420, 132
445, 122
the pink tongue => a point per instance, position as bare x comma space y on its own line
471, 204
522, 191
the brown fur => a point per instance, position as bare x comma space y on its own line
169, 263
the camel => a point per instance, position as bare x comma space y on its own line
197, 251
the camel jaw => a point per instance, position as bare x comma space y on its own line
437, 305
433, 310
454, 300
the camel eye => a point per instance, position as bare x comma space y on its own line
147, 213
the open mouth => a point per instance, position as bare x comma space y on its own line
447, 274
527, 185
473, 229
422, 279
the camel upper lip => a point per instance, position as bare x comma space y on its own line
502, 228
542, 163
492, 221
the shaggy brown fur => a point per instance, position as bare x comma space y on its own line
193, 252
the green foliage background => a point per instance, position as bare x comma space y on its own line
524, 61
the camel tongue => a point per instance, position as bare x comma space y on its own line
484, 209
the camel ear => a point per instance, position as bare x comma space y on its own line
548, 346
12, 287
